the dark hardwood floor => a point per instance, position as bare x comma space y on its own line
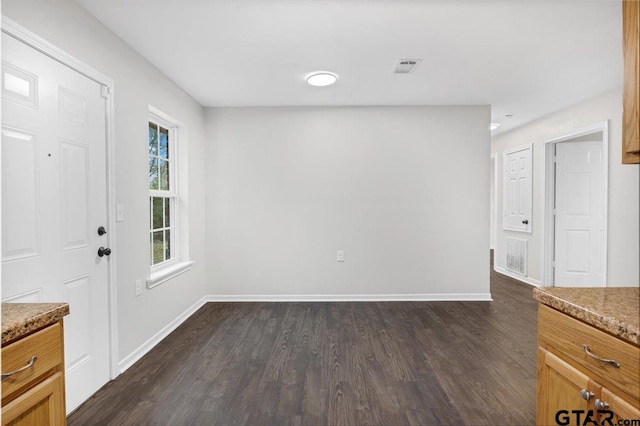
394, 363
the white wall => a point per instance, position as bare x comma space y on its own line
624, 190
402, 190
137, 84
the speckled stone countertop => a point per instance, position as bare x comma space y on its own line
20, 319
615, 310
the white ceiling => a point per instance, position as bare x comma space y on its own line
524, 57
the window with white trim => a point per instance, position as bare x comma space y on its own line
168, 218
163, 193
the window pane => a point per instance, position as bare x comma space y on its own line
168, 176
164, 175
164, 143
153, 139
158, 247
167, 212
153, 173
157, 213
167, 246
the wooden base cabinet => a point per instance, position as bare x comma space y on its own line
574, 387
42, 405
559, 389
620, 409
33, 379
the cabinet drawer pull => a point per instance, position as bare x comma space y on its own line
29, 365
586, 395
601, 405
613, 362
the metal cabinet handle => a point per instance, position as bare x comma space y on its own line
29, 365
601, 405
525, 222
613, 362
586, 395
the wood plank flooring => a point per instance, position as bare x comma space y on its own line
394, 363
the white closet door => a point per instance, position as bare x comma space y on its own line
579, 218
517, 189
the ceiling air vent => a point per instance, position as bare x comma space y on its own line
405, 66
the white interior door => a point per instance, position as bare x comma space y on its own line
579, 214
53, 201
517, 189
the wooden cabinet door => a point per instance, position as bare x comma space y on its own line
619, 408
560, 389
43, 405
631, 89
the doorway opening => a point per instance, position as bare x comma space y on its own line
574, 248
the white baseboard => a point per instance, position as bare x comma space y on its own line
524, 279
142, 350
442, 297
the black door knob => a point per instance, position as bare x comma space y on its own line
526, 221
104, 251
101, 230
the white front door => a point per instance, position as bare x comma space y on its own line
53, 201
579, 214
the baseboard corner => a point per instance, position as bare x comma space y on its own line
142, 350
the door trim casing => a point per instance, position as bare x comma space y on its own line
548, 222
17, 31
494, 219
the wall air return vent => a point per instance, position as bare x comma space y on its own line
405, 66
516, 260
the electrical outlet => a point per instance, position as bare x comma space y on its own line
340, 256
139, 286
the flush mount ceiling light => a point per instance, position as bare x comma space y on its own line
322, 78
494, 126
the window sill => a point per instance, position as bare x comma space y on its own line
165, 274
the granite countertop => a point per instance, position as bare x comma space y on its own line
20, 319
615, 310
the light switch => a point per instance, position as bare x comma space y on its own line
340, 256
138, 287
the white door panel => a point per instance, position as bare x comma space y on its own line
19, 159
579, 219
54, 200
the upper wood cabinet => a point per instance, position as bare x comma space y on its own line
631, 89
